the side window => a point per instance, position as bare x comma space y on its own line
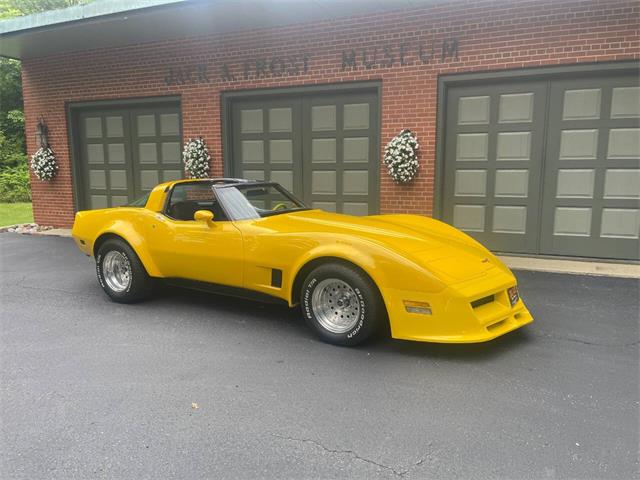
187, 198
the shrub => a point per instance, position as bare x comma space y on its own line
14, 184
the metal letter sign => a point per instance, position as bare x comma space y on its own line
230, 72
403, 54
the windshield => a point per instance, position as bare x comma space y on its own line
243, 202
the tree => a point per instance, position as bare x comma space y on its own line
15, 8
12, 135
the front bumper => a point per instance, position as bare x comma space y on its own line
468, 312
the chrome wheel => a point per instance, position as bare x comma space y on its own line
116, 270
335, 305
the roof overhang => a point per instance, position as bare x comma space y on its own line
114, 23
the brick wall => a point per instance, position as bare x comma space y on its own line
492, 35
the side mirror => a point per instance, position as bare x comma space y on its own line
204, 216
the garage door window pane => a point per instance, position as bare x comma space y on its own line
118, 179
624, 143
169, 124
279, 119
356, 149
356, 116
252, 151
469, 217
579, 144
509, 219
253, 174
97, 179
323, 182
472, 183
251, 121
119, 200
514, 146
284, 178
355, 182
170, 175
473, 110
572, 221
323, 150
357, 209
516, 108
170, 152
93, 127
99, 201
581, 104
114, 127
146, 125
281, 151
148, 179
472, 146
95, 153
323, 118
622, 183
512, 183
116, 153
620, 222
625, 102
148, 153
575, 183
326, 206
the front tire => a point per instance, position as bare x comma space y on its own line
341, 304
121, 273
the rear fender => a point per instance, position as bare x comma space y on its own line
128, 232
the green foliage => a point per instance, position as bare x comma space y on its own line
15, 8
14, 170
14, 184
12, 144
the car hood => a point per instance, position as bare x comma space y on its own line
449, 253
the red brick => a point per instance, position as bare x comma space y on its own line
492, 35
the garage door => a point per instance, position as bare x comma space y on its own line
125, 152
324, 148
592, 170
546, 167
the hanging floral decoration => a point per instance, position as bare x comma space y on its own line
43, 164
401, 156
196, 158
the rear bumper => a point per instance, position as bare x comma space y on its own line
454, 319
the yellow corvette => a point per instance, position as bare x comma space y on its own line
350, 275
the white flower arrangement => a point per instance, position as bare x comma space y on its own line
43, 164
401, 156
196, 158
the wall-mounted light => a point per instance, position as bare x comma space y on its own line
41, 134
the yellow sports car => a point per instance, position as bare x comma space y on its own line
351, 275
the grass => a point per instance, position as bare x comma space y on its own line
12, 213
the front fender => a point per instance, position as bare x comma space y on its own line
388, 269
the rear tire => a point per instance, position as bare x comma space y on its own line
341, 304
121, 273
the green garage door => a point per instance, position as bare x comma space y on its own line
546, 167
324, 148
125, 152
592, 170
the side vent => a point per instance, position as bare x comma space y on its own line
482, 301
276, 278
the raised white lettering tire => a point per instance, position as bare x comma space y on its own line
121, 273
341, 304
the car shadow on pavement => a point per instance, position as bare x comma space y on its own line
291, 319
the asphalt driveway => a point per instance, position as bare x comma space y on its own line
92, 389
